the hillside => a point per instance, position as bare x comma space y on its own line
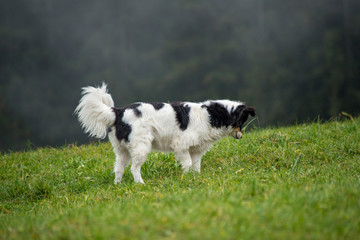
298, 182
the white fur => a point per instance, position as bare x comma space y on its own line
155, 129
94, 111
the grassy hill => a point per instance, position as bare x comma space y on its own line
299, 182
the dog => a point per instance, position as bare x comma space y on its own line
188, 129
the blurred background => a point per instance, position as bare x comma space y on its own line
293, 60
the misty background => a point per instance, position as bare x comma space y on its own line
293, 60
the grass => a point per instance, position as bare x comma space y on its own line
299, 182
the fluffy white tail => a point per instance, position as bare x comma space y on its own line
95, 111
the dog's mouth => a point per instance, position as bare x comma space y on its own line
237, 133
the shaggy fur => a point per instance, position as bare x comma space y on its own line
185, 128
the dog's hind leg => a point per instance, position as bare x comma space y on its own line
122, 157
122, 160
138, 156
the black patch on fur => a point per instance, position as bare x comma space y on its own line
134, 106
108, 130
237, 117
122, 129
251, 111
241, 115
157, 105
182, 114
219, 115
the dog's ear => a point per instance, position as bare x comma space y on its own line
250, 110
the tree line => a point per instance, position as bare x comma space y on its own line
292, 60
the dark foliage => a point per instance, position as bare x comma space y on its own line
293, 60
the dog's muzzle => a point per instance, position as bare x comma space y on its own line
237, 133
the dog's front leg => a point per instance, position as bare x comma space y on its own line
185, 159
196, 154
196, 161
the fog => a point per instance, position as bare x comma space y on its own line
295, 61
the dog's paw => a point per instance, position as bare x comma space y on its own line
140, 182
117, 181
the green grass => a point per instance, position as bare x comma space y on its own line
299, 182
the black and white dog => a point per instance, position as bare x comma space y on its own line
185, 128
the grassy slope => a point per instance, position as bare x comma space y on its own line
300, 182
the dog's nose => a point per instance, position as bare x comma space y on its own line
238, 135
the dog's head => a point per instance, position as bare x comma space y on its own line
239, 116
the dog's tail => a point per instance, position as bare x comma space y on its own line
95, 111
